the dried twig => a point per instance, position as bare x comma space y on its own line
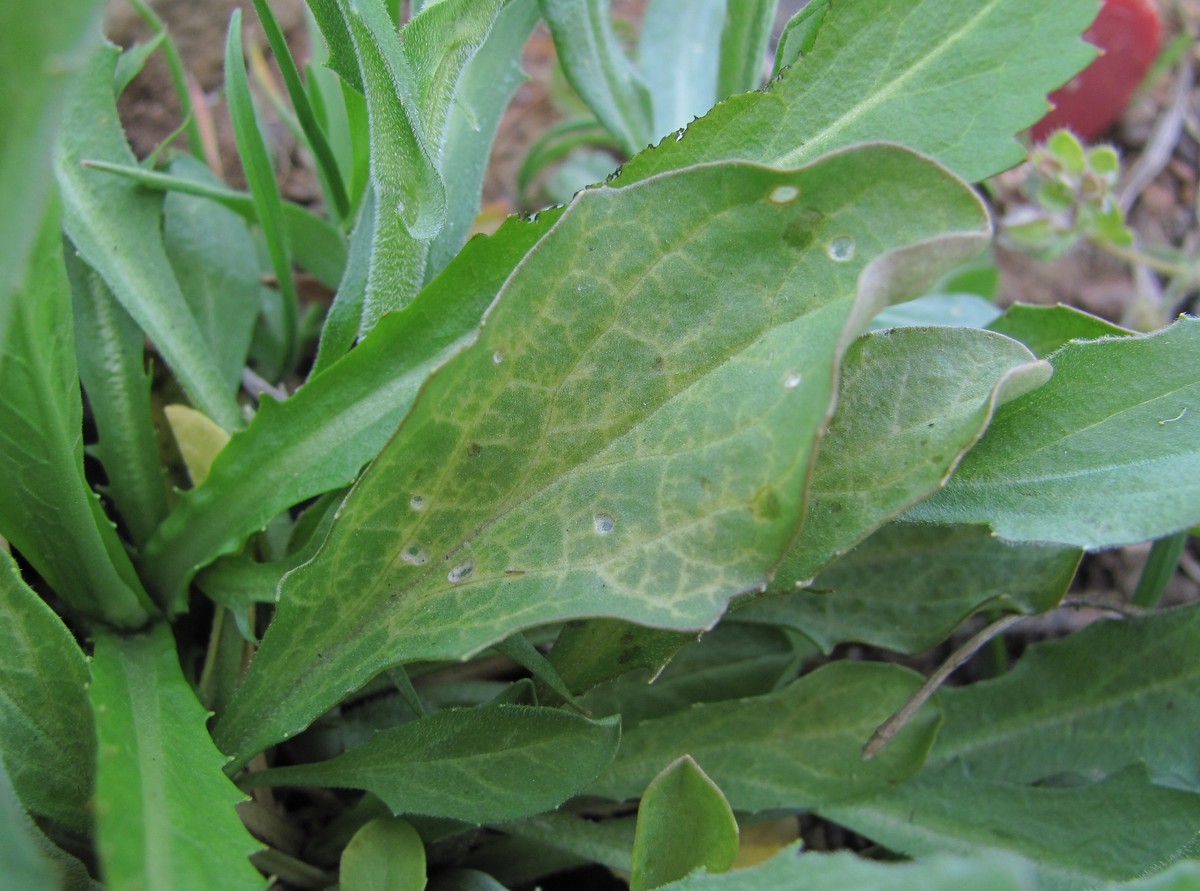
884, 732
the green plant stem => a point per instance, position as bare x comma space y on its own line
260, 177
1160, 567
1136, 256
888, 729
207, 684
327, 167
996, 655
178, 77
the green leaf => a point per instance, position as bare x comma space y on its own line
410, 202
598, 69
679, 56
797, 748
684, 824
480, 765
936, 576
342, 58
799, 35
316, 244
45, 48
838, 872
912, 402
1045, 329
260, 178
1110, 695
518, 649
23, 848
1180, 877
732, 661
608, 842
326, 166
744, 42
199, 439
320, 437
109, 347
179, 79
485, 87
464, 880
520, 864
116, 228
1035, 761
565, 140
1080, 837
956, 81
385, 855
439, 44
344, 318
46, 735
165, 816
591, 651
952, 310
213, 255
592, 453
47, 510
238, 581
1104, 454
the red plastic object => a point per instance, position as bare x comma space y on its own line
1127, 33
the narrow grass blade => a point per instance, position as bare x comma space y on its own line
558, 141
327, 167
179, 78
260, 177
1160, 568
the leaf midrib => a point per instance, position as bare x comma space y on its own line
812, 147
